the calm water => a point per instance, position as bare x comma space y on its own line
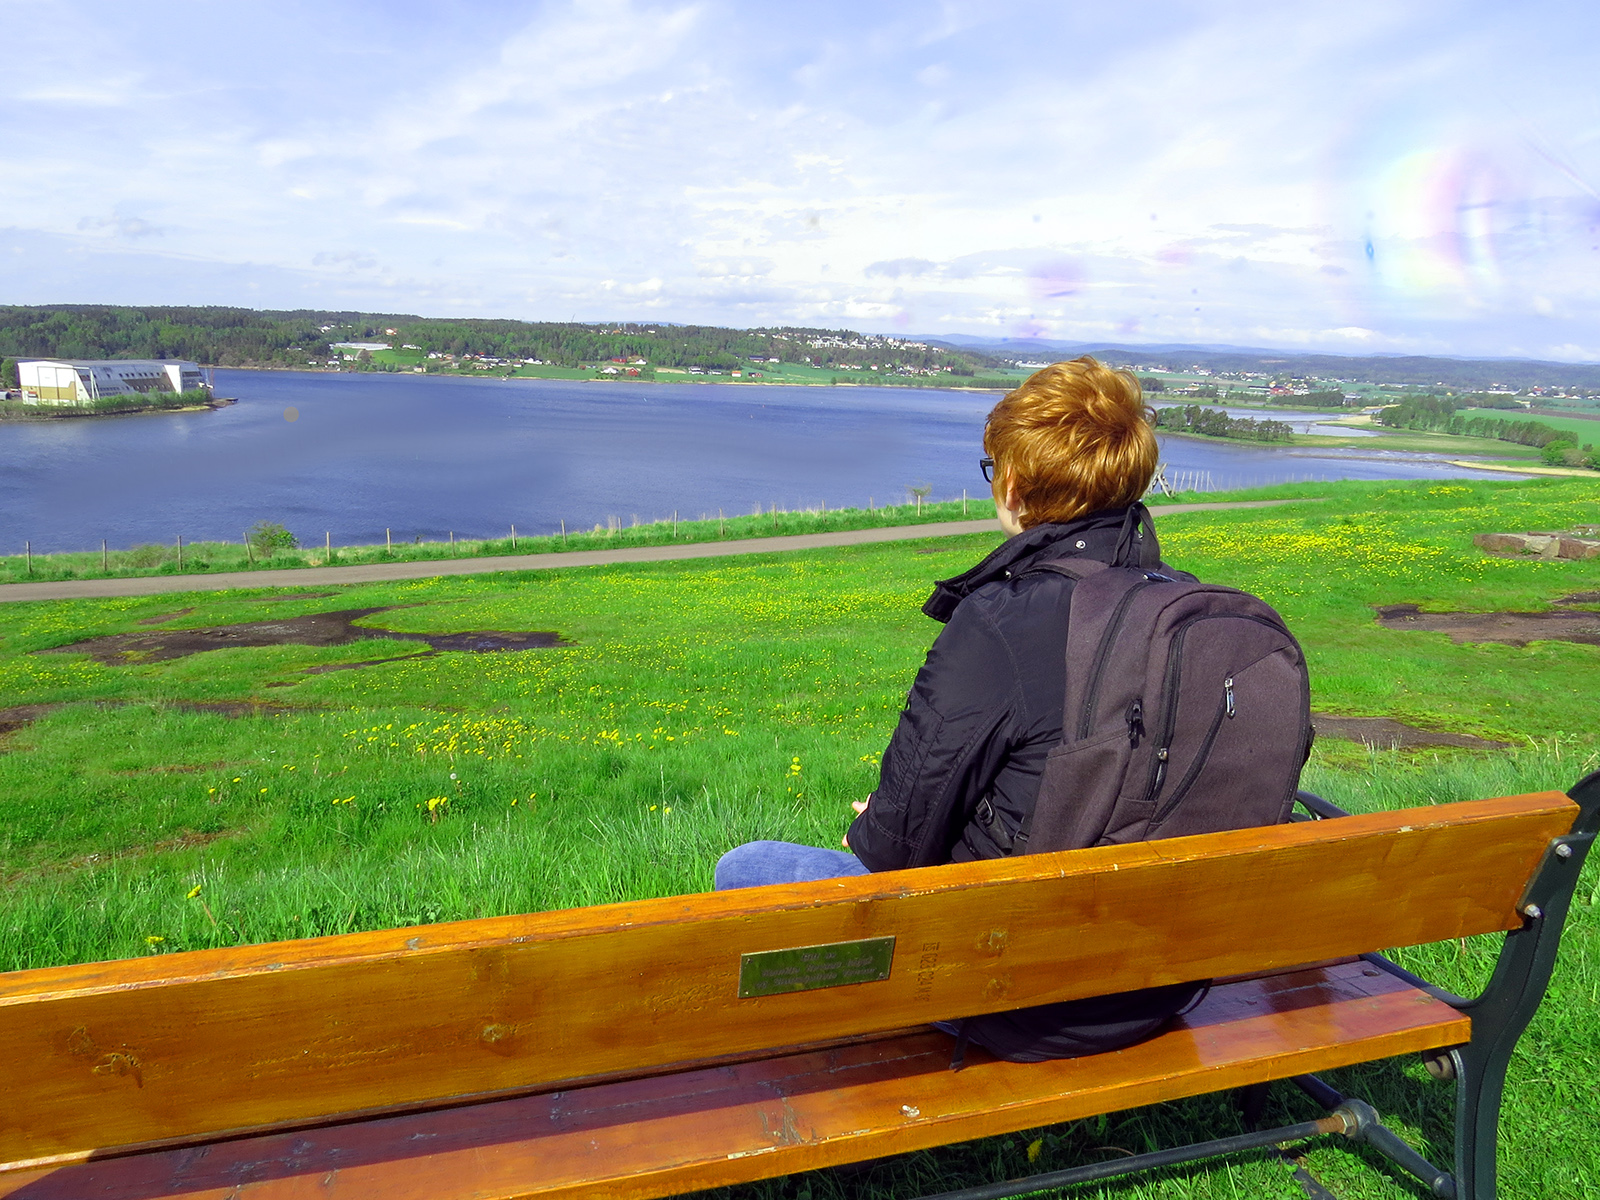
424, 456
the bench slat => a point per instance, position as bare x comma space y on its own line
109, 1055
718, 1126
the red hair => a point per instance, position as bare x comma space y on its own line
1074, 438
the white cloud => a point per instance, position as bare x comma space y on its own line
1387, 175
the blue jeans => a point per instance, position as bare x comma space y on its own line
756, 863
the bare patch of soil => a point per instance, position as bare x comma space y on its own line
236, 708
171, 616
1580, 598
1511, 628
13, 719
184, 841
174, 769
1383, 733
311, 629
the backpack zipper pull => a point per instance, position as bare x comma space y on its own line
1227, 691
1135, 722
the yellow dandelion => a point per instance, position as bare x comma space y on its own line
154, 940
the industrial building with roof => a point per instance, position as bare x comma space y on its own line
60, 381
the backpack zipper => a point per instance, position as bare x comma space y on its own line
1102, 653
1169, 701
1195, 767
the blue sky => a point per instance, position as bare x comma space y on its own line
1355, 177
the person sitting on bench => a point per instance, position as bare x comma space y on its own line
1069, 453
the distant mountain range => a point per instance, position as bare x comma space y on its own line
1468, 373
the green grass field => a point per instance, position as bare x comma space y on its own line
1582, 431
700, 704
1422, 442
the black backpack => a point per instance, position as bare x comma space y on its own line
1188, 710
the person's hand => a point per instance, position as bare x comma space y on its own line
860, 806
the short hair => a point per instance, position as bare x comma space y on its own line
1076, 438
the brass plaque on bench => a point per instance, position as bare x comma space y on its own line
804, 968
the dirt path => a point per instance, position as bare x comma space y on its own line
150, 585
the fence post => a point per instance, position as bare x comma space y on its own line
27, 549
105, 559
180, 552
563, 532
452, 543
249, 551
327, 547
513, 537
388, 541
719, 522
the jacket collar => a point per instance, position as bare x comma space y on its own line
1118, 536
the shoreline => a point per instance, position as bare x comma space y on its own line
1541, 469
485, 377
66, 413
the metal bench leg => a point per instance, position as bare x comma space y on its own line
1252, 1102
1515, 990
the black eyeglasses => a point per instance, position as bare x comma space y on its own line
986, 465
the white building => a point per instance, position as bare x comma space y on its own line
59, 381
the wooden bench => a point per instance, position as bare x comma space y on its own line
650, 1048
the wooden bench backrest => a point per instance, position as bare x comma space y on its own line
177, 1047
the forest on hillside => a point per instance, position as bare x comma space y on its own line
241, 337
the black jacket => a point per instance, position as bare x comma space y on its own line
963, 768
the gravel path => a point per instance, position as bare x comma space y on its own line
150, 585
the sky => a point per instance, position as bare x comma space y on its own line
1399, 176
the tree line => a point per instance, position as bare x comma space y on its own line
1213, 422
240, 337
1441, 414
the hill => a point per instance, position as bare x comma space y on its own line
241, 337
1470, 374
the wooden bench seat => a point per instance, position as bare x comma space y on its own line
750, 1120
668, 1045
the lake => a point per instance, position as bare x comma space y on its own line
425, 455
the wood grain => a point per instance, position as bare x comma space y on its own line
756, 1120
144, 1051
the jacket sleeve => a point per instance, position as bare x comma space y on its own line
946, 750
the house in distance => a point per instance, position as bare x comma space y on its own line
60, 381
